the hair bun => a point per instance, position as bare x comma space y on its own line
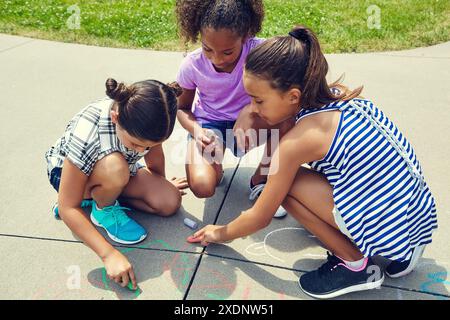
118, 92
176, 89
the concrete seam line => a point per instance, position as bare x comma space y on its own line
188, 289
17, 45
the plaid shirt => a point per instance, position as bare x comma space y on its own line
89, 137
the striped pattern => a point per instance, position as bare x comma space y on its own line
89, 137
378, 185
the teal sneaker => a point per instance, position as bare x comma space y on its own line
118, 225
84, 204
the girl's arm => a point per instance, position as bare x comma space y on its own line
155, 160
71, 190
304, 143
188, 120
184, 114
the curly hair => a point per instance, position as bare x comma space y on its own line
244, 17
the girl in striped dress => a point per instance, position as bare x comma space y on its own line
364, 194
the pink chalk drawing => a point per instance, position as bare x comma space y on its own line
246, 293
181, 267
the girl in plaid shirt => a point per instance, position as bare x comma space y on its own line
96, 161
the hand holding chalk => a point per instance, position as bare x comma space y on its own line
192, 239
130, 286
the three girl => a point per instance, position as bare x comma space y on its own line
364, 194
96, 162
211, 78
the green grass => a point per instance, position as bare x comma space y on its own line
340, 25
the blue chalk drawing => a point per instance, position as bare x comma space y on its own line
437, 278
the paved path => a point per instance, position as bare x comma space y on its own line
43, 84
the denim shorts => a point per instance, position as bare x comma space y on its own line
55, 178
224, 130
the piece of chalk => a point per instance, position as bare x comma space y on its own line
190, 223
130, 286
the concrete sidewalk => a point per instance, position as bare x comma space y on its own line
43, 84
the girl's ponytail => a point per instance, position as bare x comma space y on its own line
317, 69
315, 89
297, 61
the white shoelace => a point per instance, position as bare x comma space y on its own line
256, 191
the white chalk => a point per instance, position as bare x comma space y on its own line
190, 223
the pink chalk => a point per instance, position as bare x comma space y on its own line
192, 239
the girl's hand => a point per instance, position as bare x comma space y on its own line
205, 137
180, 183
210, 233
119, 269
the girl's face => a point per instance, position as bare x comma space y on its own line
222, 47
270, 104
129, 141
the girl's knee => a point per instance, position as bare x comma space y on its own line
169, 204
203, 189
113, 171
203, 186
171, 207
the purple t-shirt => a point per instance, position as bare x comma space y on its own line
219, 95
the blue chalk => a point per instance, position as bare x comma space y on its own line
190, 223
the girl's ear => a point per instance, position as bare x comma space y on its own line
114, 116
294, 96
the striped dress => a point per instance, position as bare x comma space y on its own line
378, 185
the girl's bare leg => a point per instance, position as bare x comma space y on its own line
310, 202
152, 193
146, 191
107, 180
203, 174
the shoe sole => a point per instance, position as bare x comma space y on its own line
359, 287
280, 215
414, 260
221, 179
95, 222
55, 214
277, 215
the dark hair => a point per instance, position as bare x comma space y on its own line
244, 17
293, 61
147, 109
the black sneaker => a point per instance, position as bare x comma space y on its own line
334, 279
399, 269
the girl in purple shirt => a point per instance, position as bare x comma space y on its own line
214, 107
